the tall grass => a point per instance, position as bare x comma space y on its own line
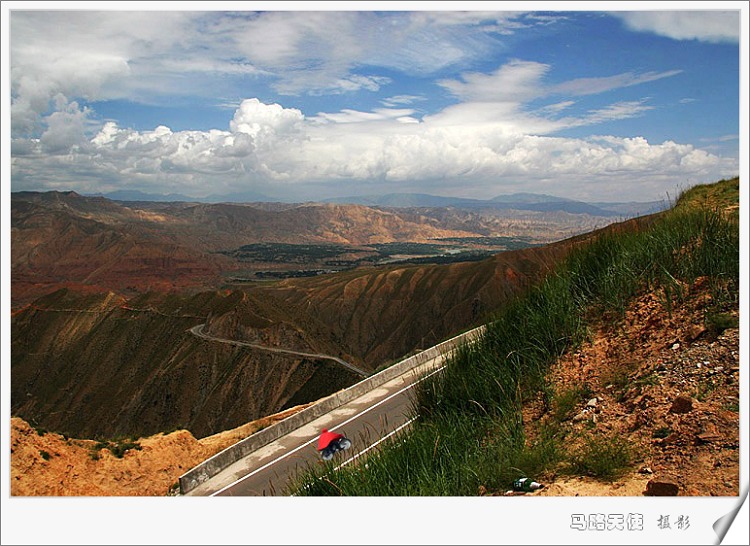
469, 433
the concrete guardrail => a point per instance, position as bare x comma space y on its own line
210, 467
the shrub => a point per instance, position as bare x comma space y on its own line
602, 457
566, 402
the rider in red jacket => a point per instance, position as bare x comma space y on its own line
326, 438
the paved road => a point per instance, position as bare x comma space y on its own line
366, 420
199, 331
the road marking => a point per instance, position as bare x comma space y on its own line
384, 438
270, 463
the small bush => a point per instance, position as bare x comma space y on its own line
661, 432
716, 323
605, 458
44, 455
117, 448
566, 402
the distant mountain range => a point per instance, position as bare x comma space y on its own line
515, 201
136, 195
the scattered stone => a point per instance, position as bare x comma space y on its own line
671, 439
707, 437
710, 434
661, 488
696, 331
675, 346
645, 470
592, 403
580, 417
682, 404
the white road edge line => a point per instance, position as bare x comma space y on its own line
313, 440
409, 422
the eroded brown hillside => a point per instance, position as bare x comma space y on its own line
134, 363
49, 464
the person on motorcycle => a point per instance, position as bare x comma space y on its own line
331, 442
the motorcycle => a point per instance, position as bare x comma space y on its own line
330, 443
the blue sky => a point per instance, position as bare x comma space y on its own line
302, 105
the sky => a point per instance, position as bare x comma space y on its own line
631, 102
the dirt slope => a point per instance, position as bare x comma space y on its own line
668, 386
48, 464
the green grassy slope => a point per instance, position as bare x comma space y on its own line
469, 431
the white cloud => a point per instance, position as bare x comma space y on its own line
283, 148
591, 86
707, 26
400, 100
355, 116
264, 121
489, 133
146, 56
517, 81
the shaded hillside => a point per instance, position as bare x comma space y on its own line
97, 366
381, 314
105, 365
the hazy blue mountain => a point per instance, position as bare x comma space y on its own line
406, 200
136, 195
529, 198
516, 201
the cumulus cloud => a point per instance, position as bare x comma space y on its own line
488, 132
707, 26
267, 142
263, 121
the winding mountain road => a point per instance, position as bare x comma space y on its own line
368, 413
367, 421
200, 332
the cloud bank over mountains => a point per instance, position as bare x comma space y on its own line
509, 122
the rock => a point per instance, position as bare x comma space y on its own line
707, 437
710, 434
645, 470
695, 332
661, 488
675, 346
580, 417
592, 403
682, 404
671, 439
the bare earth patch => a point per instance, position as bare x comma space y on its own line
48, 464
665, 384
